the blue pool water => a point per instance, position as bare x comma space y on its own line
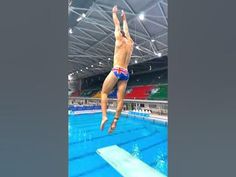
143, 139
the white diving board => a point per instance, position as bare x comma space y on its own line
126, 164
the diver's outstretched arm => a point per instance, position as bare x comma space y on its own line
116, 21
125, 24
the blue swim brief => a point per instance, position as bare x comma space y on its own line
121, 73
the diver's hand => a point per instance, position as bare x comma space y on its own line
123, 15
115, 9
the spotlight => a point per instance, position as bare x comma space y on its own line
100, 63
153, 40
141, 16
70, 77
158, 54
86, 67
83, 15
91, 65
78, 19
70, 31
109, 59
81, 70
135, 61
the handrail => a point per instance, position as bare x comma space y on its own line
125, 100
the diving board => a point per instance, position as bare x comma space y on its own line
126, 164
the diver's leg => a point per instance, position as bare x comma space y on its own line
120, 102
108, 85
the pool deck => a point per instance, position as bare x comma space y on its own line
85, 112
153, 117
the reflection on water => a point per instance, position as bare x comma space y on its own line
161, 162
136, 151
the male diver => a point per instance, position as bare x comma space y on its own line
119, 73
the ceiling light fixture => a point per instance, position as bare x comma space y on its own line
141, 16
70, 77
158, 54
78, 19
70, 31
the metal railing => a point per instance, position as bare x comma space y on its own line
159, 107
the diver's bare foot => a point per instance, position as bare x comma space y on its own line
104, 120
113, 125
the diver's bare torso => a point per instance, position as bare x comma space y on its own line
123, 51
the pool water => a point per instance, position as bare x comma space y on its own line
145, 140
